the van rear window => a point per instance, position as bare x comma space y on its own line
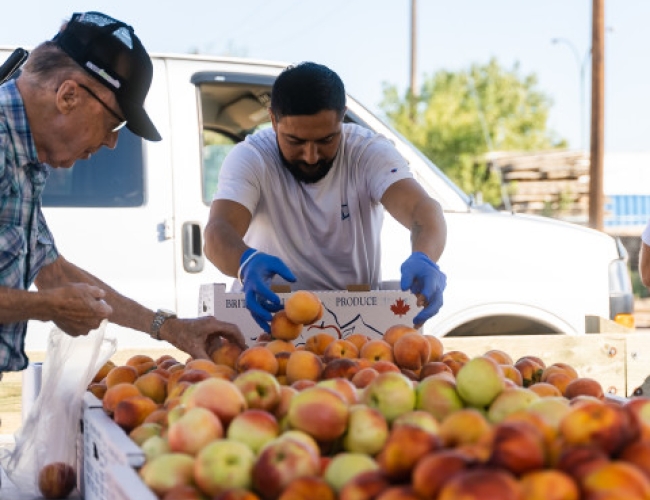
110, 178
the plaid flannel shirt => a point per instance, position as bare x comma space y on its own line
26, 244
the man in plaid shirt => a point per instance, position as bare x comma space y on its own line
72, 97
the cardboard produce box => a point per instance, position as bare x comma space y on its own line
370, 312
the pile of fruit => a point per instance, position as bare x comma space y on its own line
370, 419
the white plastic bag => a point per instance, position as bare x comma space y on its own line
49, 434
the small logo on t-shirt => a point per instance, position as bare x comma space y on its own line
345, 212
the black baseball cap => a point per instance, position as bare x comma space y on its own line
110, 51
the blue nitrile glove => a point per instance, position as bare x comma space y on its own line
256, 270
421, 275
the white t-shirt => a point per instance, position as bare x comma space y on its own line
327, 233
645, 236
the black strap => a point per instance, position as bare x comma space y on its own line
15, 61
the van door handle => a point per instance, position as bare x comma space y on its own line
193, 258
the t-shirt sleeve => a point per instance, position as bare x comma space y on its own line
645, 236
382, 166
239, 177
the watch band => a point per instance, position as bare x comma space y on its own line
159, 318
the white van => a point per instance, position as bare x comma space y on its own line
135, 218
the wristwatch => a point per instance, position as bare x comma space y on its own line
159, 318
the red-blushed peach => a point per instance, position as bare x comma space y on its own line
144, 431
226, 354
463, 426
301, 384
638, 454
340, 348
558, 368
131, 412
236, 494
544, 389
531, 371
168, 471
405, 446
578, 461
308, 488
158, 416
345, 466
283, 359
480, 381
303, 307
560, 380
318, 342
195, 428
320, 412
223, 464
512, 374
394, 332
455, 360
418, 418
286, 394
510, 400
367, 430
343, 386
257, 357
255, 428
340, 368
363, 377
433, 367
303, 365
517, 446
122, 374
617, 478
364, 486
279, 463
153, 386
481, 484
411, 351
383, 366
391, 393
437, 396
501, 357
184, 492
260, 389
283, 328
377, 350
221, 397
436, 348
358, 339
117, 393
584, 386
434, 469
192, 375
57, 480
549, 485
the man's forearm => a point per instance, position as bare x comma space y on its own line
644, 264
223, 247
21, 305
429, 229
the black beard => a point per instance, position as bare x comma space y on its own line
324, 166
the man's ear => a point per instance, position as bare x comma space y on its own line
67, 96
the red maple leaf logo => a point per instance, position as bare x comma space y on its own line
400, 308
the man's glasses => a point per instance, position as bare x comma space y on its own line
121, 120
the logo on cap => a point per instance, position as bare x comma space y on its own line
101, 72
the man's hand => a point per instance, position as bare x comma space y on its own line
199, 337
256, 272
77, 308
423, 278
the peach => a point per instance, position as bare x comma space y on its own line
236, 494
123, 374
166, 362
193, 430
619, 479
545, 390
481, 484
455, 360
464, 426
558, 368
341, 385
258, 357
344, 466
517, 446
501, 357
584, 386
433, 367
117, 393
57, 480
153, 386
260, 389
367, 430
318, 342
308, 488
303, 307
283, 328
411, 351
184, 492
283, 359
168, 471
364, 486
254, 428
405, 446
222, 397
549, 485
510, 400
384, 365
438, 396
223, 464
377, 350
358, 339
435, 469
436, 347
340, 348
303, 365
340, 367
158, 416
286, 394
226, 354
137, 359
394, 332
320, 412
363, 377
144, 431
192, 375
559, 380
479, 381
531, 371
103, 371
511, 373
277, 346
301, 384
131, 412
98, 389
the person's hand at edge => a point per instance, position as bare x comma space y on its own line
256, 270
424, 279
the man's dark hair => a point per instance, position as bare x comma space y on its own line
306, 89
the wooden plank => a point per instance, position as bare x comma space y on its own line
601, 357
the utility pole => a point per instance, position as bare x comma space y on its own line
413, 84
596, 191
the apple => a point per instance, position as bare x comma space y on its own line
260, 389
279, 463
254, 428
391, 393
57, 480
345, 466
320, 412
223, 464
367, 430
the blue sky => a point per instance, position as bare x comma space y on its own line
367, 42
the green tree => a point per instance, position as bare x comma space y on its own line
458, 117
